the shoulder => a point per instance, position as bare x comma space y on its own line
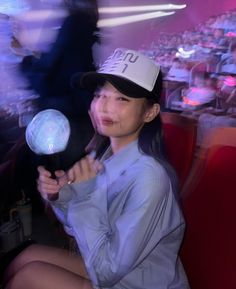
148, 166
150, 176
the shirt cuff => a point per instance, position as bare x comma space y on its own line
83, 190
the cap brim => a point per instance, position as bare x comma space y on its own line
93, 80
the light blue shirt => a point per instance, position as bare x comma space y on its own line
127, 223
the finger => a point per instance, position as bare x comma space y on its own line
47, 188
74, 172
42, 170
70, 175
86, 166
47, 180
91, 157
98, 166
82, 170
62, 178
60, 173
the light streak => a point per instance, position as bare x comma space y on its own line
143, 8
117, 21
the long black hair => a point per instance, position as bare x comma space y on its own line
150, 139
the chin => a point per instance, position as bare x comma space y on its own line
103, 132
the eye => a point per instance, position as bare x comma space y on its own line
121, 98
96, 95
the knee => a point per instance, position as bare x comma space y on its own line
24, 257
25, 276
30, 251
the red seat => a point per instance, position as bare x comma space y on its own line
180, 134
209, 204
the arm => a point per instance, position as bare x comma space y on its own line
82, 172
112, 251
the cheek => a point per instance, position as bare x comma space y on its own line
92, 105
92, 108
98, 105
93, 112
132, 117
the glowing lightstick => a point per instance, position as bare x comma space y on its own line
47, 134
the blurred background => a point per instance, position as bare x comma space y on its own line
193, 41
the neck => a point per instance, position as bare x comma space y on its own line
118, 143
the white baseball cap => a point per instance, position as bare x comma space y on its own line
131, 72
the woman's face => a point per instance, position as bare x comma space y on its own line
118, 116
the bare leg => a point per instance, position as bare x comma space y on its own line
50, 255
40, 275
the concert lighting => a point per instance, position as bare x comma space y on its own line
116, 21
155, 11
144, 8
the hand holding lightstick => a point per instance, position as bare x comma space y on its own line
48, 134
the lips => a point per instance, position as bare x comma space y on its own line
106, 121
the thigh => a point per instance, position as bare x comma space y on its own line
50, 255
40, 275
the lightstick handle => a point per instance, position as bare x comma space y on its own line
52, 163
53, 197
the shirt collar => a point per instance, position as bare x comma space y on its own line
116, 164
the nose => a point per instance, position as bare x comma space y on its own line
102, 104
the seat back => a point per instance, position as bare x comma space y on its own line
209, 199
201, 66
173, 96
179, 134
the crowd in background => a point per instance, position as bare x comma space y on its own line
208, 41
199, 68
209, 48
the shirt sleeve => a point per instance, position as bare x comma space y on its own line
77, 191
112, 252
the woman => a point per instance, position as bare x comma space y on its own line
120, 209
